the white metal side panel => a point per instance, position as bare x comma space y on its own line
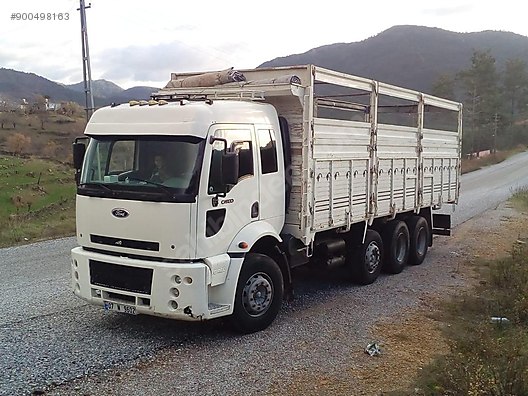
397, 148
340, 193
440, 166
322, 195
336, 139
341, 172
397, 185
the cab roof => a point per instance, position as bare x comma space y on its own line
183, 118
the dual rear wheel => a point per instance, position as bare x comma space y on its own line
400, 243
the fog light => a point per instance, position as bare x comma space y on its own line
76, 275
187, 280
77, 288
176, 279
75, 263
173, 304
175, 292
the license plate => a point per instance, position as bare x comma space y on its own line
112, 306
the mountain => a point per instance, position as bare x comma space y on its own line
134, 93
108, 92
15, 85
410, 56
100, 88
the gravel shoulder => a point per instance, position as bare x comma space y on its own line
316, 345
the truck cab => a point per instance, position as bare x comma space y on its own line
188, 231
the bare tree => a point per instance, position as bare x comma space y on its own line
18, 143
40, 109
50, 150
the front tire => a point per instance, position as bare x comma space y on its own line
419, 230
367, 259
259, 294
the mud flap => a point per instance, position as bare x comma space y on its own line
442, 224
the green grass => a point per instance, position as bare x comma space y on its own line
36, 200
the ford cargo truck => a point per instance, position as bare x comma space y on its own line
200, 203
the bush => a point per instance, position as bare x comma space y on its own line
18, 143
487, 358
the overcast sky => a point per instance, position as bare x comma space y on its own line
140, 42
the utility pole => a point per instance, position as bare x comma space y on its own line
87, 72
495, 130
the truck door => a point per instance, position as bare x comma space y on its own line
220, 217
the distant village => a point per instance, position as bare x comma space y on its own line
40, 103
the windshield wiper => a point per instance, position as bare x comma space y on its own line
103, 186
161, 186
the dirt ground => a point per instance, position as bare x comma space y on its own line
410, 342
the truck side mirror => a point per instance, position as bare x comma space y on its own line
79, 149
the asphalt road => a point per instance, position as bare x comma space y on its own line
47, 336
486, 188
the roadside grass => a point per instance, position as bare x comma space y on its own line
486, 330
473, 164
520, 199
37, 200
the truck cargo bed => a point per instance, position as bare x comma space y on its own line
360, 149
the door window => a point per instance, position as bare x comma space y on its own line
238, 140
268, 151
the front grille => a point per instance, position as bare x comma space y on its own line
120, 277
128, 243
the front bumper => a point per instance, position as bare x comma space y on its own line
175, 290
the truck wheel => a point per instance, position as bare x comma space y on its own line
367, 259
396, 241
259, 294
419, 231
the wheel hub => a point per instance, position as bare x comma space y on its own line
257, 294
372, 257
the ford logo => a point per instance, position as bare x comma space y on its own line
120, 213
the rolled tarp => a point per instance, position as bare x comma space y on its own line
210, 79
286, 79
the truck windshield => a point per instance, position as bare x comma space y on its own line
157, 168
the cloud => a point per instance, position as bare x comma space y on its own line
156, 62
448, 11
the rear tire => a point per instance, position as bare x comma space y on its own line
419, 231
366, 259
259, 294
396, 241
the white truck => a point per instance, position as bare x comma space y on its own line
199, 203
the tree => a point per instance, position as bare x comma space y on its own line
515, 86
40, 109
18, 143
71, 109
50, 150
7, 114
7, 117
482, 100
444, 86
